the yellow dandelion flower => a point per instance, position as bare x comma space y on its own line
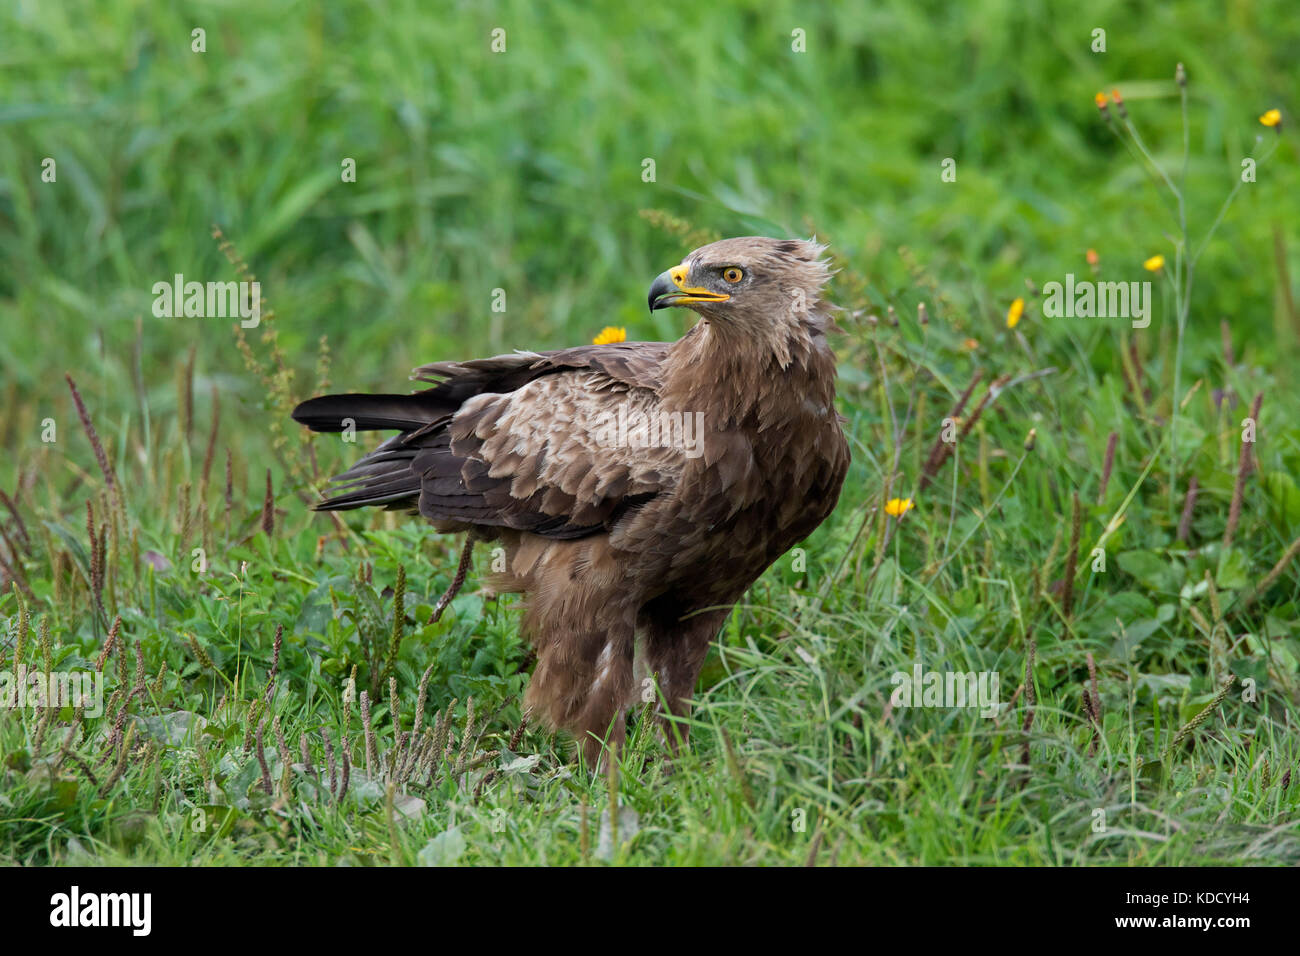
1015, 312
897, 507
1154, 264
1100, 100
610, 334
1272, 118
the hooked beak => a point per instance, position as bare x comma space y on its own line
669, 289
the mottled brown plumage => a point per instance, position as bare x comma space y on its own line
631, 543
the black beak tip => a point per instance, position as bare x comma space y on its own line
662, 286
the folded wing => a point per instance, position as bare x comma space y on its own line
529, 441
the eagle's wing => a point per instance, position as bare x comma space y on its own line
529, 441
632, 363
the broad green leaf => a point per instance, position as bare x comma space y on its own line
1233, 571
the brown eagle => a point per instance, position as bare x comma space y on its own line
637, 488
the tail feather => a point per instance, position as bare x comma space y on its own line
334, 413
399, 496
384, 476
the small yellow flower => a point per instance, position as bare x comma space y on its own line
1100, 100
1092, 257
897, 507
610, 334
1154, 264
970, 345
1272, 118
1015, 312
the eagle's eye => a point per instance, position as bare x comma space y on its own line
732, 274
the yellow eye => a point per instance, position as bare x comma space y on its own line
732, 274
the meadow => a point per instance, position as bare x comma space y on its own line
1103, 515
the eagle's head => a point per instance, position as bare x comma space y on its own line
751, 282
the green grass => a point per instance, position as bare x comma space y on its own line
522, 171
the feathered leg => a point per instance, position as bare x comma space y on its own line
675, 648
583, 628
